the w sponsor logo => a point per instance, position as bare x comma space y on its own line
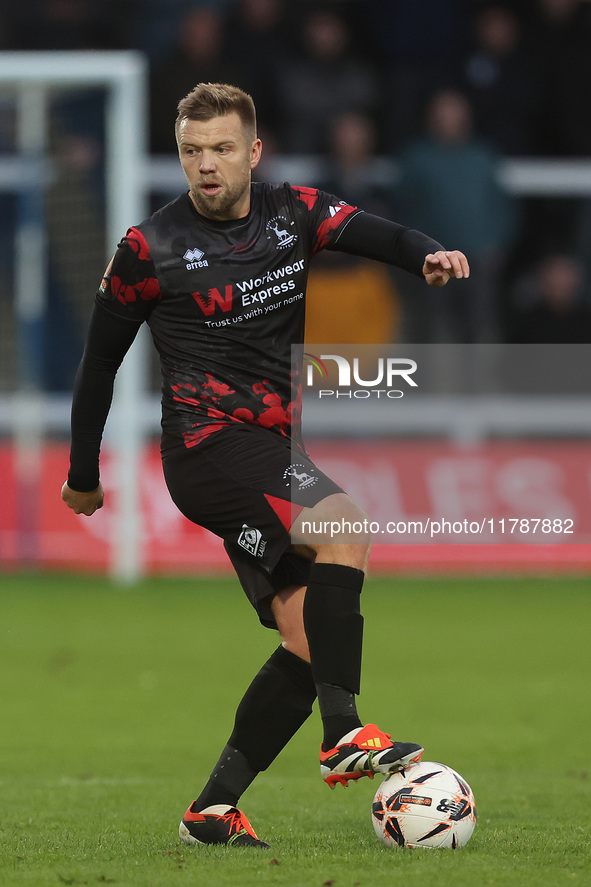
214, 298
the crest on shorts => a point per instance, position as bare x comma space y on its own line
252, 541
296, 473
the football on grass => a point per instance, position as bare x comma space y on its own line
425, 805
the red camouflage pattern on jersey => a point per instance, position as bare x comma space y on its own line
309, 196
146, 288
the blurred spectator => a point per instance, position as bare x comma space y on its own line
158, 22
500, 83
448, 188
419, 48
353, 171
258, 36
200, 55
550, 303
340, 279
560, 49
324, 80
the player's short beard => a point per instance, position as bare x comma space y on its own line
221, 205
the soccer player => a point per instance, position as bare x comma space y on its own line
219, 275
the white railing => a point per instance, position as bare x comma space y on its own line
521, 177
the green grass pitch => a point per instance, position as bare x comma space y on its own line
116, 702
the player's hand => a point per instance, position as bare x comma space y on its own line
83, 503
441, 266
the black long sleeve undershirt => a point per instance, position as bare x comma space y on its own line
372, 237
109, 338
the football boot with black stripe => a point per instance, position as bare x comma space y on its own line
366, 751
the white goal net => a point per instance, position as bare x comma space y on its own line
72, 160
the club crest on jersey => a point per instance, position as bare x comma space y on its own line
252, 540
194, 259
279, 229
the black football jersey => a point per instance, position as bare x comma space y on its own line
225, 302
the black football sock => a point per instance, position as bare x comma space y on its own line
334, 628
338, 710
272, 710
230, 777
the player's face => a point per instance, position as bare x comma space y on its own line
217, 157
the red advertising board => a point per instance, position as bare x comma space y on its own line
499, 506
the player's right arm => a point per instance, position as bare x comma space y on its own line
108, 340
126, 297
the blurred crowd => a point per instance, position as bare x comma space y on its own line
444, 89
524, 65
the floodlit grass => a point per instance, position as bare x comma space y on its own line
115, 704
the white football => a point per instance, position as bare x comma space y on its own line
425, 805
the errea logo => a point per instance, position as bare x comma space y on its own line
194, 259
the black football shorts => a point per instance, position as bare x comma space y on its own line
247, 485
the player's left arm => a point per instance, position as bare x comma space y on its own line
373, 237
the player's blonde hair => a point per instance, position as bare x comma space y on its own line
208, 100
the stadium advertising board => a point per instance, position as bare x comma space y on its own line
504, 505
